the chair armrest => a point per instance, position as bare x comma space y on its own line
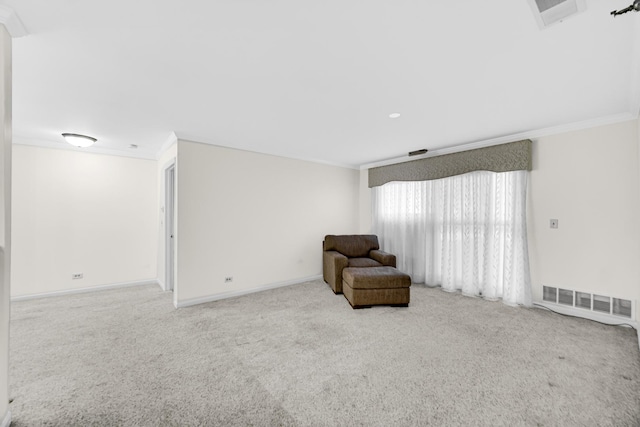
333, 262
383, 258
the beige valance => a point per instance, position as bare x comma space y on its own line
498, 158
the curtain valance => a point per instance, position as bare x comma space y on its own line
498, 158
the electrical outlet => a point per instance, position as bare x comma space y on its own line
553, 223
228, 279
76, 276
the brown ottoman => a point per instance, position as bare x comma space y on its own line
365, 287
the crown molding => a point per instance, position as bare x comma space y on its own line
12, 23
171, 140
196, 140
532, 134
58, 145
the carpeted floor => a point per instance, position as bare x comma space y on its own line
301, 356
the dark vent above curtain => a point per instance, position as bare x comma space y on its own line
498, 158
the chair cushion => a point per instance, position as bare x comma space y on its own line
363, 262
375, 278
352, 246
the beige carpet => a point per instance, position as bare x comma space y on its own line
301, 356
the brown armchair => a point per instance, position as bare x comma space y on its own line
340, 252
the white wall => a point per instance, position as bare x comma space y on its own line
260, 219
590, 181
5, 217
83, 213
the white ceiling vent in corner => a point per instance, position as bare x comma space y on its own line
548, 12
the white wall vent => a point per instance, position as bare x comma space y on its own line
583, 300
602, 304
565, 297
622, 307
618, 307
548, 12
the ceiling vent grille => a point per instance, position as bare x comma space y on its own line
595, 303
548, 12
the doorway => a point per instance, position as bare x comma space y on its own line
169, 221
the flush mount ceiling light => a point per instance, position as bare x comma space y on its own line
394, 115
82, 141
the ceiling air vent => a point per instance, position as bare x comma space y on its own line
548, 12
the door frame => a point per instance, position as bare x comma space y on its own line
169, 225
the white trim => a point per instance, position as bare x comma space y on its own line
170, 235
609, 319
171, 141
84, 290
6, 422
12, 23
139, 153
233, 294
554, 130
186, 138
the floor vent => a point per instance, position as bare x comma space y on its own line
622, 307
602, 304
565, 297
548, 12
583, 300
593, 302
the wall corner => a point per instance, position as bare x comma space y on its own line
364, 210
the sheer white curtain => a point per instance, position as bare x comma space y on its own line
466, 233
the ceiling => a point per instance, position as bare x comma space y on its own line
316, 80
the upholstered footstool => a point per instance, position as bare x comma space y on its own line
365, 287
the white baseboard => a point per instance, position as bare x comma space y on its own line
587, 314
225, 295
83, 290
6, 422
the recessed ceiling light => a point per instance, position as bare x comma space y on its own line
82, 141
394, 115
